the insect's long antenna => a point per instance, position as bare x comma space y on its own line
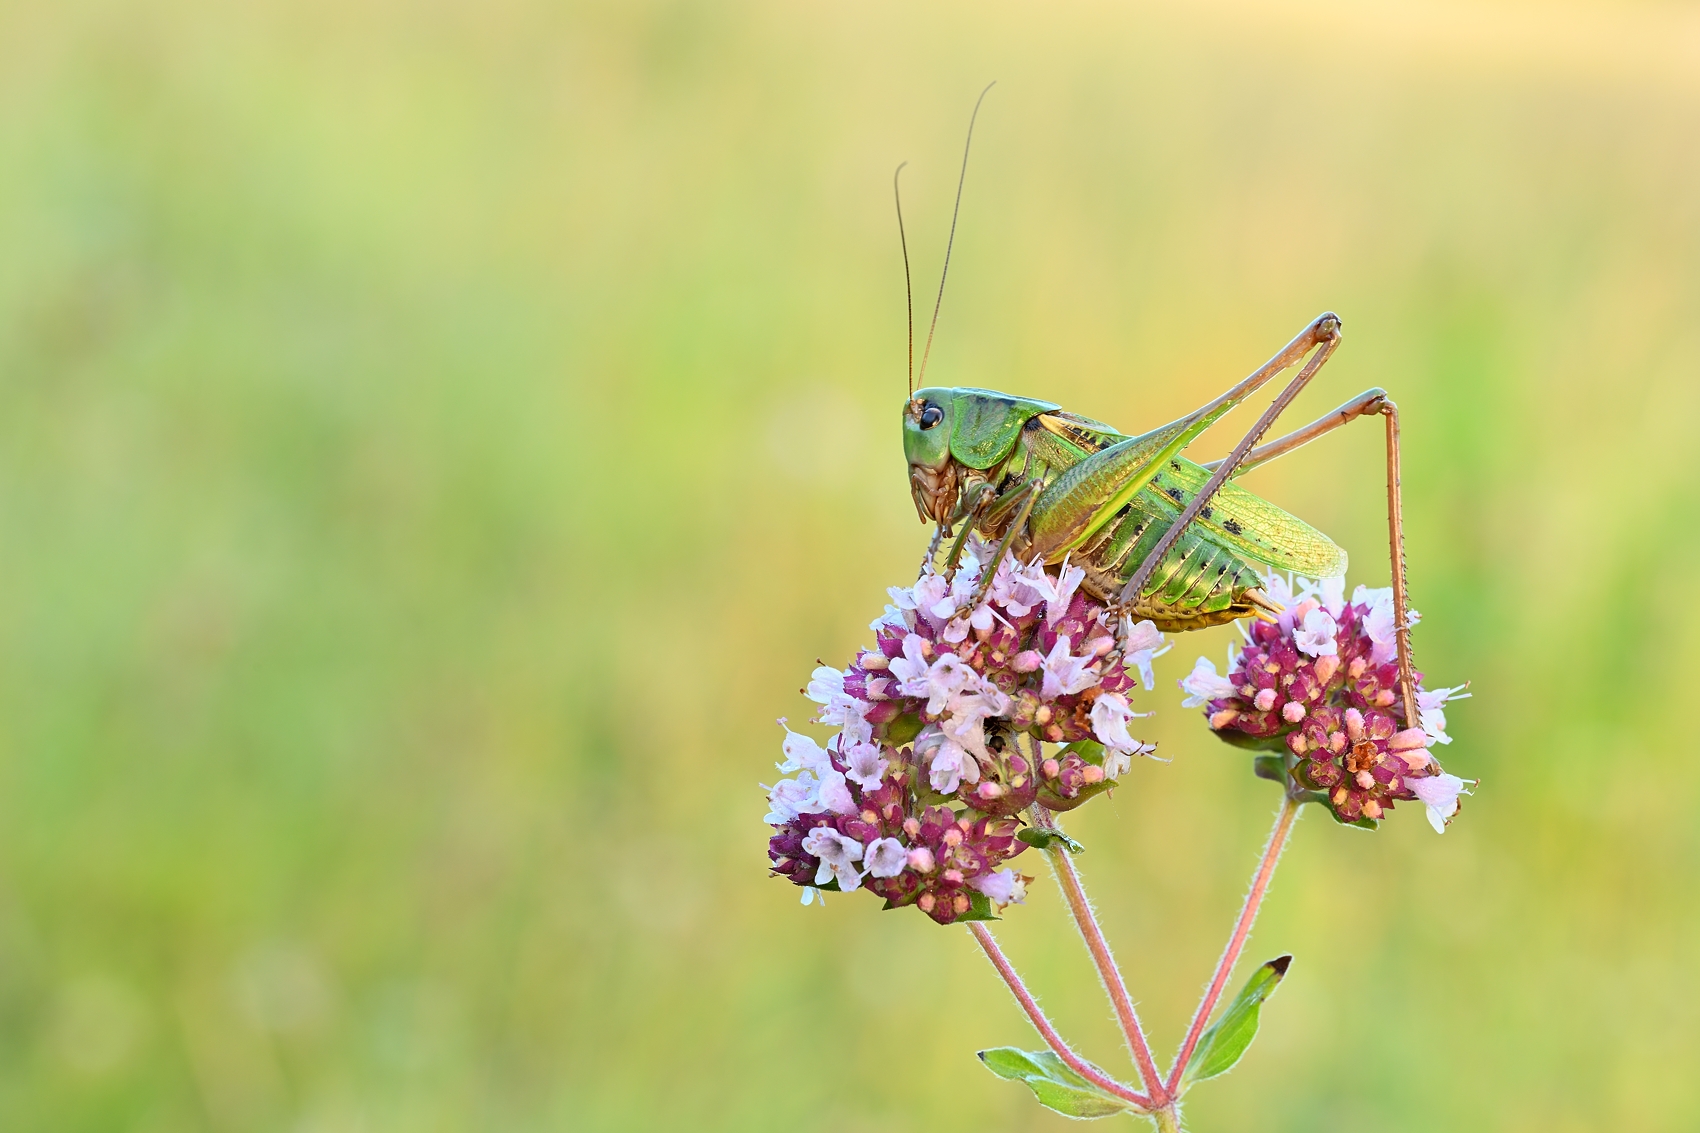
939, 302
908, 288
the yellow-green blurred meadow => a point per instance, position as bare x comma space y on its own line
437, 439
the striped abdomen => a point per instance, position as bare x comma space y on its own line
1199, 582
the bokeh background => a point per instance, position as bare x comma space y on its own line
437, 439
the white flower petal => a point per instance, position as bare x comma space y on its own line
886, 857
1316, 635
1440, 794
1003, 887
1203, 685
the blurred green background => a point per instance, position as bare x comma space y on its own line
437, 439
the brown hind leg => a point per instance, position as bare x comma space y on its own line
1368, 403
1324, 335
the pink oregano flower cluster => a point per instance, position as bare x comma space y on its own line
1322, 684
918, 796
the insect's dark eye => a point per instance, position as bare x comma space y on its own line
931, 416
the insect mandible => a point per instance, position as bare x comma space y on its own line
1159, 537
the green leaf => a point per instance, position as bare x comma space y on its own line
902, 729
1360, 823
1074, 1101
1009, 1063
1052, 1082
1045, 839
1058, 1070
1051, 800
928, 797
1233, 737
1224, 1043
1090, 750
1271, 767
979, 908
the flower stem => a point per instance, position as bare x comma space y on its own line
1168, 1118
1236, 942
1084, 919
1043, 1025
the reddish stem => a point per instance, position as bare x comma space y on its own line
1043, 1025
1236, 943
1087, 923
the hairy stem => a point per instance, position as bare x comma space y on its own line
1043, 1025
1168, 1119
1084, 919
1236, 942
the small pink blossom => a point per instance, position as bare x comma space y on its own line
1316, 636
1020, 588
1379, 622
885, 857
824, 684
1432, 715
1003, 887
1204, 684
1066, 674
1110, 716
788, 798
1141, 644
911, 668
834, 795
946, 677
966, 722
952, 763
867, 769
1288, 592
1440, 794
1061, 591
838, 854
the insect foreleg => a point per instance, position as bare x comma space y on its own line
932, 551
1329, 328
968, 514
1024, 496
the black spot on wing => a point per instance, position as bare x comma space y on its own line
1205, 512
1174, 494
1232, 526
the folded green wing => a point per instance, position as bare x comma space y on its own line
1246, 522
